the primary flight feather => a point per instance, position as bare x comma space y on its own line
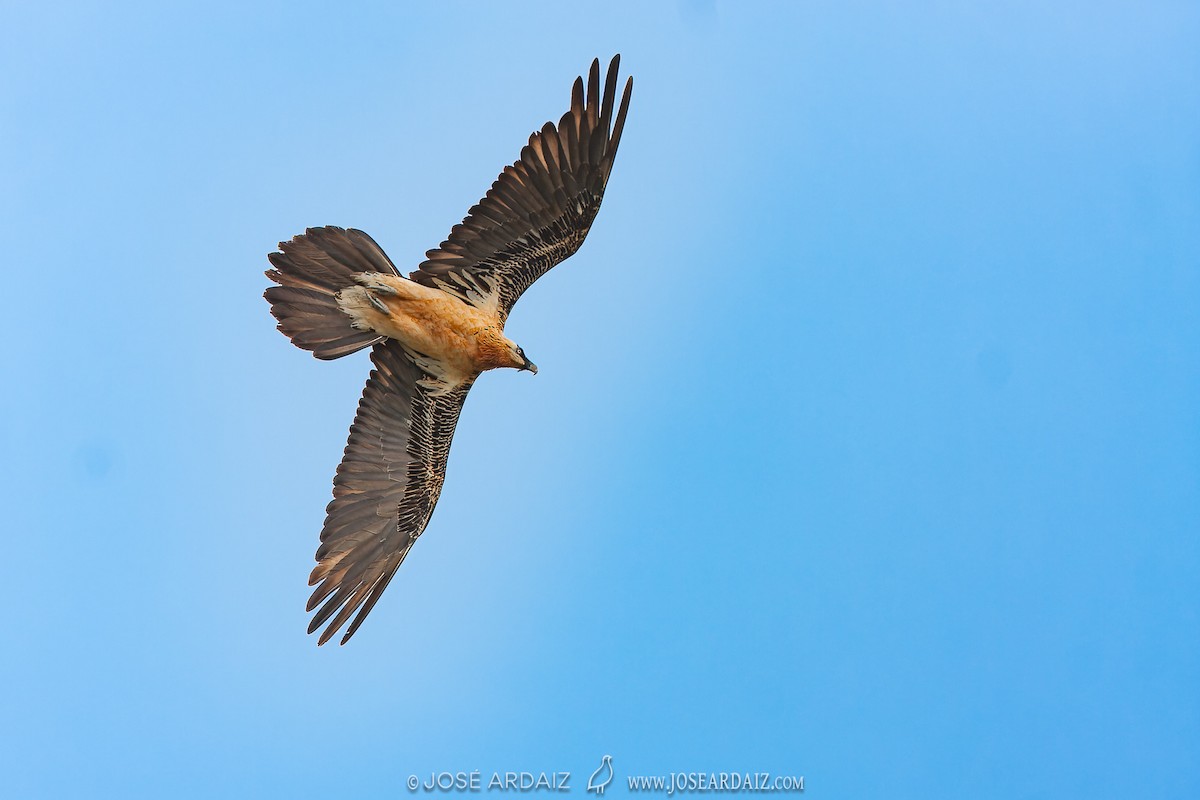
431, 335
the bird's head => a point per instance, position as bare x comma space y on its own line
520, 360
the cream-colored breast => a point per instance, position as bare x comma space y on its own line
429, 321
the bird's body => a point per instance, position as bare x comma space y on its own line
431, 335
458, 339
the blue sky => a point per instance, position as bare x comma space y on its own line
865, 445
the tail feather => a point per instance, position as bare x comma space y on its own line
311, 269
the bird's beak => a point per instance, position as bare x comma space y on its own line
529, 365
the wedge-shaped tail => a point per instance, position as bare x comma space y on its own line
311, 269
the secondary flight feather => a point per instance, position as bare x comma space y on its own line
431, 335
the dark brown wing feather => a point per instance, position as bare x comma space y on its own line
386, 486
540, 209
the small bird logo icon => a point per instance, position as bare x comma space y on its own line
602, 777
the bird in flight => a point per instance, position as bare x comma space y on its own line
431, 335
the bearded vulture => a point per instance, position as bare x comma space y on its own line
431, 334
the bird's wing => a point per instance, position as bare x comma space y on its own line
386, 486
539, 210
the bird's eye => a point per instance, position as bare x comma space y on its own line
520, 352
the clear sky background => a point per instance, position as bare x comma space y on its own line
865, 446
